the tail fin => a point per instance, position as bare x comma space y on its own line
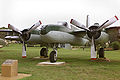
87, 21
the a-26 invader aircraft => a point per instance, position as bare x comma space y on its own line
54, 34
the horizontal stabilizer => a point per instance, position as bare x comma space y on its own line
13, 38
5, 30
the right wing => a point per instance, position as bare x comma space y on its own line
78, 33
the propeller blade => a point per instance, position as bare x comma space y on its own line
79, 25
24, 50
87, 21
108, 22
93, 51
14, 29
34, 26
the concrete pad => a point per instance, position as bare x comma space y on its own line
103, 59
50, 64
20, 76
40, 58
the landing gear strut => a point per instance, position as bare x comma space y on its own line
44, 52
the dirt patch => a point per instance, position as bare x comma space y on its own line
101, 60
1, 50
20, 76
5, 50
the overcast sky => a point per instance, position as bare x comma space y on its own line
24, 13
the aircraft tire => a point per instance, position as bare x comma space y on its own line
101, 53
53, 56
43, 52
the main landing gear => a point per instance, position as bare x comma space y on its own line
44, 52
101, 53
53, 54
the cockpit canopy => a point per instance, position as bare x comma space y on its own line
63, 23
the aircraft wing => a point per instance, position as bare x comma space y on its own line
78, 33
6, 30
110, 29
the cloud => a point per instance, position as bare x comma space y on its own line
23, 13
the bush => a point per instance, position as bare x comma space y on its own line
115, 45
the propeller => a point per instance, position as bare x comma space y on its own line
87, 21
79, 25
93, 49
34, 26
14, 29
94, 31
108, 22
23, 50
24, 35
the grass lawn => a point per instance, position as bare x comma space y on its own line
78, 65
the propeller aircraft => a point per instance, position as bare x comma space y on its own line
54, 34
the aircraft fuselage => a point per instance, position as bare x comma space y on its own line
61, 34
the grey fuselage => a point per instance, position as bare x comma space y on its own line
61, 34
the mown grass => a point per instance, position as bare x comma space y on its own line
78, 65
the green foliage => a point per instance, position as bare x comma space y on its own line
3, 28
3, 34
115, 45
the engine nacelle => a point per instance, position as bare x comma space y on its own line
103, 38
34, 39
